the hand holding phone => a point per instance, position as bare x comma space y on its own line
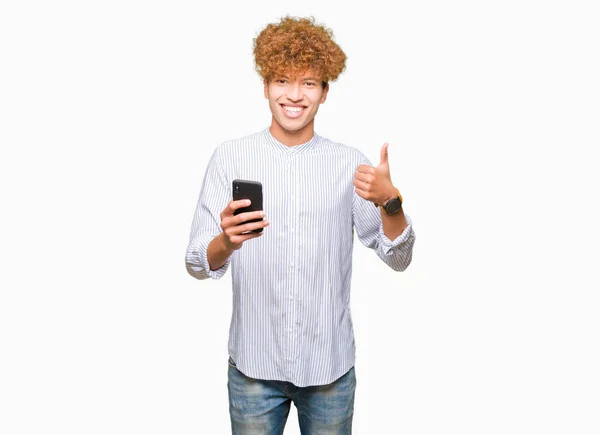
238, 224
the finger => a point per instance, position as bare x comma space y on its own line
234, 205
237, 222
360, 193
361, 185
250, 226
253, 235
247, 216
243, 237
363, 177
365, 169
233, 221
384, 154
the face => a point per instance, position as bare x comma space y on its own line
294, 102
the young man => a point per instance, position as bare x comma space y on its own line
291, 336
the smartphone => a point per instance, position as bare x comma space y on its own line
252, 190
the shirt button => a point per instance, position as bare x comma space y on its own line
291, 265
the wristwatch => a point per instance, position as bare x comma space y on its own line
393, 205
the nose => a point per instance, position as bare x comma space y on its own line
294, 92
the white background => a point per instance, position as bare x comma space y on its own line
108, 114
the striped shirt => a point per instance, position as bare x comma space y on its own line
291, 286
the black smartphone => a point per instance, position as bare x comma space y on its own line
252, 190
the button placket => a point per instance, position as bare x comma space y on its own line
294, 305
292, 256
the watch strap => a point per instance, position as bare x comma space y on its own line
399, 197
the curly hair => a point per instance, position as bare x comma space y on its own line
296, 45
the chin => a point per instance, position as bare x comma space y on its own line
291, 126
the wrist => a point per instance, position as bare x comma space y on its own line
393, 193
392, 205
225, 246
390, 194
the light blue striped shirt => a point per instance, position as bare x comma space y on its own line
291, 287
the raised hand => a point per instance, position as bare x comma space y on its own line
375, 183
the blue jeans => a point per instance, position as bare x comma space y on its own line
259, 407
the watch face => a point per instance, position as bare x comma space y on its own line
393, 206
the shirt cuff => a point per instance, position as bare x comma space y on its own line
389, 245
203, 271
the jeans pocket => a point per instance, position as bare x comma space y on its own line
231, 362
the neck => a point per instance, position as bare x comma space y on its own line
292, 138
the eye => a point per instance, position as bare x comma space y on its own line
310, 84
281, 81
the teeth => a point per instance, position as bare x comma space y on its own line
292, 109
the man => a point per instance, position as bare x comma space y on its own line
291, 336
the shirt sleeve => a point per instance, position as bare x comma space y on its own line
396, 253
215, 194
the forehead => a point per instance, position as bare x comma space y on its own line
299, 75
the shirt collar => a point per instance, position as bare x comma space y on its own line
290, 149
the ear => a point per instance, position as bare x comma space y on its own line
324, 95
266, 89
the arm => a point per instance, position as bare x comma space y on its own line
214, 195
391, 236
218, 253
217, 234
392, 245
395, 224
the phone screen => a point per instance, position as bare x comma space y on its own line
252, 190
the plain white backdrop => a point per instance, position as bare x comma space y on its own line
109, 112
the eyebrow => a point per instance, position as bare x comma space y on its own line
305, 78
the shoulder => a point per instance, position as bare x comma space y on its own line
237, 148
342, 150
254, 139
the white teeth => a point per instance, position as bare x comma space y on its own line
292, 109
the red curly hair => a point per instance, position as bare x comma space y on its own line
296, 45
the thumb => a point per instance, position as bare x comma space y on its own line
384, 154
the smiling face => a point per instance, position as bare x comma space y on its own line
294, 102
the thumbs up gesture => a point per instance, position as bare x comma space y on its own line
375, 183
